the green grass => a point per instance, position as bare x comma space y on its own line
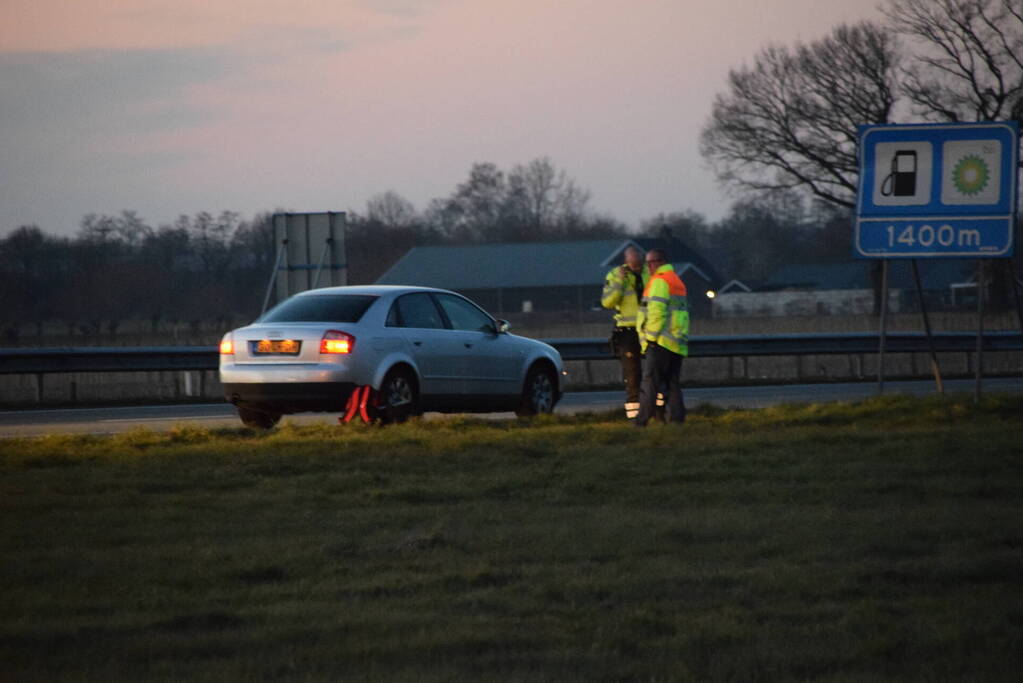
875, 541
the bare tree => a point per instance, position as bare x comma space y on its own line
970, 63
211, 237
691, 227
97, 228
534, 201
391, 209
474, 212
543, 201
790, 121
33, 270
968, 66
131, 229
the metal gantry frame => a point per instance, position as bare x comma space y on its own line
336, 227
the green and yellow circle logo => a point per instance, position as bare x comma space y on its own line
971, 175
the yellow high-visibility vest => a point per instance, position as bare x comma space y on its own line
663, 316
620, 295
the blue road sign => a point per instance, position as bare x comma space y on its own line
937, 190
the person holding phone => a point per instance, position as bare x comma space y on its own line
623, 289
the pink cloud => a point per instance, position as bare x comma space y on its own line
49, 26
322, 103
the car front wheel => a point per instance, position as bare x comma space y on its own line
537, 393
397, 400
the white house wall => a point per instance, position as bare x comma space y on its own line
822, 302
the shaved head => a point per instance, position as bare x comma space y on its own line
633, 258
657, 254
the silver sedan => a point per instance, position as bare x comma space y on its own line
385, 353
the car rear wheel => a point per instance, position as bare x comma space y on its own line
537, 393
397, 400
258, 419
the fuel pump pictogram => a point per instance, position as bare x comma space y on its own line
901, 182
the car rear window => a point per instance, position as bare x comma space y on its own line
320, 308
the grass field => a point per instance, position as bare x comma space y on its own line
876, 541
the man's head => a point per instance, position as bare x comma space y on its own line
633, 258
655, 258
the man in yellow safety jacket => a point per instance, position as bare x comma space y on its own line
623, 289
663, 328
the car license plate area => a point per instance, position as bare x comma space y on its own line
276, 347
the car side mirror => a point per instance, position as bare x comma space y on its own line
503, 326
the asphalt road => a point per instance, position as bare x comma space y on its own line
113, 420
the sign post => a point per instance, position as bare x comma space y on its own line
304, 239
937, 191
935, 369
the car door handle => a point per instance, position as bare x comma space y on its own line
468, 345
417, 343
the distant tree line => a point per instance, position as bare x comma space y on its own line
118, 268
215, 268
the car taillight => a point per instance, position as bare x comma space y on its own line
227, 345
335, 341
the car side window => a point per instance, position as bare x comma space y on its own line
465, 315
415, 310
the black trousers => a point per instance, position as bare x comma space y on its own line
662, 373
626, 345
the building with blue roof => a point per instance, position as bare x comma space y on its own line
541, 276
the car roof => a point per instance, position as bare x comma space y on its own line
372, 290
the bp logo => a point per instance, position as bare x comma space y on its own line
971, 175
971, 172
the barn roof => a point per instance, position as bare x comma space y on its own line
526, 264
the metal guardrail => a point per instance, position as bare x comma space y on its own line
108, 359
169, 358
722, 346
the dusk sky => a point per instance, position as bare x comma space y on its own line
167, 107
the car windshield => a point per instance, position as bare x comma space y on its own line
320, 308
